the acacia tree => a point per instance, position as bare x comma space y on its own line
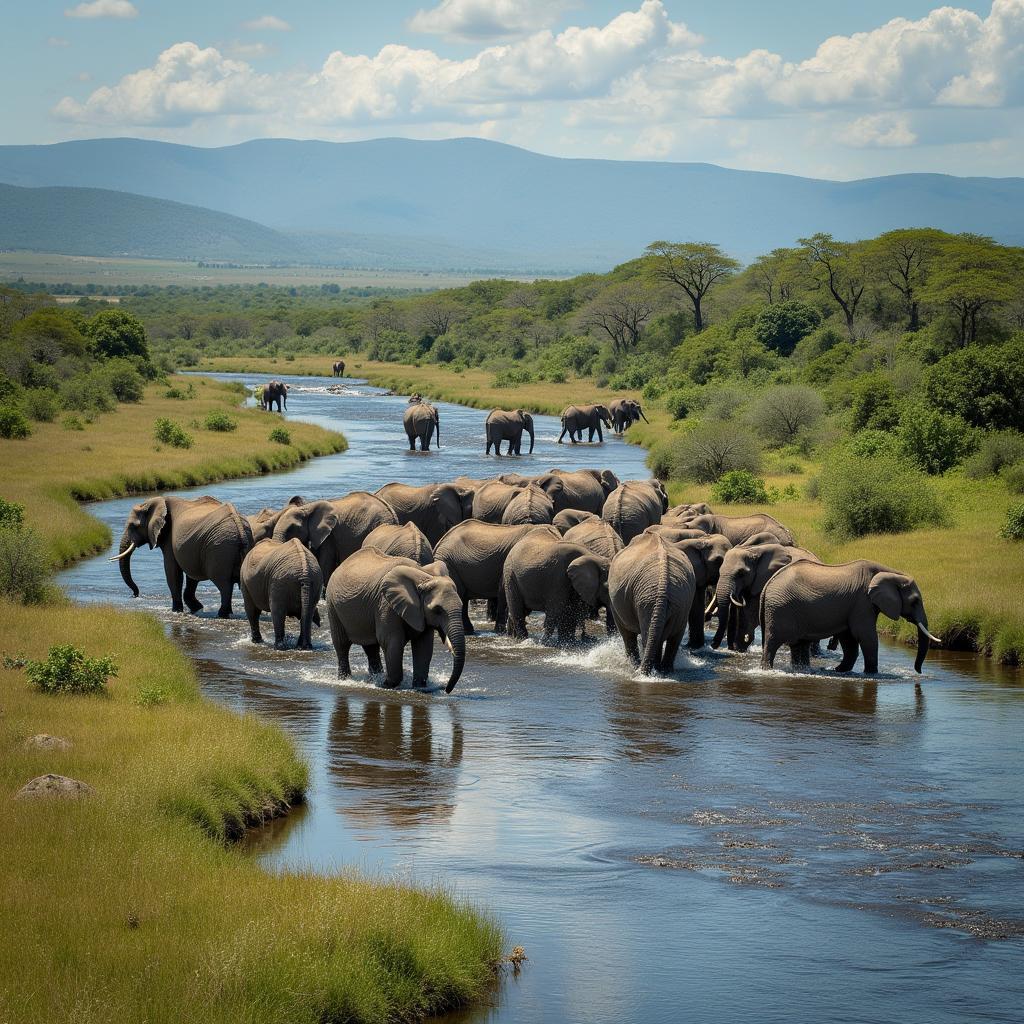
777, 274
621, 311
838, 266
903, 258
436, 314
695, 267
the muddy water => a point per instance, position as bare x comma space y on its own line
722, 845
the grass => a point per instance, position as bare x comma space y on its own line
129, 905
54, 469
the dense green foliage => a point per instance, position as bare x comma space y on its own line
740, 487
68, 669
166, 431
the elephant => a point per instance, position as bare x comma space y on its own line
383, 602
530, 504
406, 541
652, 587
807, 601
200, 538
745, 571
582, 489
570, 517
686, 511
502, 425
596, 536
764, 537
674, 534
274, 393
739, 528
421, 420
434, 508
339, 368
564, 580
625, 412
491, 499
475, 555
333, 530
263, 522
283, 578
577, 417
706, 555
633, 506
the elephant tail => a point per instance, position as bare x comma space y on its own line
307, 602
651, 659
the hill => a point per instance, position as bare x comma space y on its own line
494, 206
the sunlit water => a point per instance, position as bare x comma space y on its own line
721, 845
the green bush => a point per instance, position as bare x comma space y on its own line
280, 436
124, 381
168, 432
13, 424
1013, 476
511, 378
739, 487
781, 325
24, 562
151, 696
678, 404
40, 404
72, 422
179, 395
12, 515
68, 670
1013, 524
997, 450
932, 440
782, 414
878, 494
982, 384
221, 422
116, 333
874, 403
874, 442
712, 449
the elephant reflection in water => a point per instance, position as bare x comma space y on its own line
389, 750
650, 718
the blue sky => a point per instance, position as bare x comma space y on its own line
826, 89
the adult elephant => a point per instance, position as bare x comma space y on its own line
625, 412
806, 601
493, 497
530, 504
339, 368
673, 533
475, 555
263, 522
434, 508
274, 393
596, 536
385, 603
740, 528
745, 571
282, 578
570, 517
706, 555
688, 510
199, 538
503, 425
405, 541
651, 587
633, 506
577, 418
421, 420
583, 489
566, 581
334, 529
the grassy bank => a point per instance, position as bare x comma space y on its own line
128, 906
54, 469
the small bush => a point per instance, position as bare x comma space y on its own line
13, 425
511, 378
280, 436
126, 384
997, 450
41, 405
72, 422
713, 449
782, 414
168, 432
179, 394
1013, 476
1013, 525
221, 422
781, 325
879, 494
678, 404
24, 565
151, 696
68, 670
874, 403
874, 442
12, 515
934, 441
738, 487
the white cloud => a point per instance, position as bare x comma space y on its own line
248, 51
878, 130
486, 19
268, 23
103, 9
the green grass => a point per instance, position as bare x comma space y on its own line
130, 905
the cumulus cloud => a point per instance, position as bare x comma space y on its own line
878, 130
103, 9
268, 23
470, 20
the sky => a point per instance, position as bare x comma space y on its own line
825, 89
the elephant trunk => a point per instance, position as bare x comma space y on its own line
455, 637
645, 419
726, 612
529, 428
437, 426
126, 547
924, 639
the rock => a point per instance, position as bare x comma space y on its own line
44, 741
59, 786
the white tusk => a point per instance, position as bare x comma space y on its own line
448, 644
127, 551
739, 604
710, 607
930, 636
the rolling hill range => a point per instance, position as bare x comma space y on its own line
474, 203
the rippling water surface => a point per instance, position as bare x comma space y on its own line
721, 845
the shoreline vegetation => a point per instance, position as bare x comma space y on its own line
969, 575
151, 885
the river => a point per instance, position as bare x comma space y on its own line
722, 845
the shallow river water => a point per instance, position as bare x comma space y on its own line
721, 845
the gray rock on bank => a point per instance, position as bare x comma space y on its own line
53, 786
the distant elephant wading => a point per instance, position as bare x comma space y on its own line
339, 368
421, 420
625, 412
282, 578
502, 425
576, 418
200, 539
274, 393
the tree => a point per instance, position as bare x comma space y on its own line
782, 325
982, 385
436, 314
903, 259
783, 413
116, 334
621, 312
695, 267
714, 448
777, 274
839, 267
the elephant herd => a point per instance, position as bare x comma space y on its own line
396, 566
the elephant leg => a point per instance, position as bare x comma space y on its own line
394, 648
490, 444
630, 642
609, 622
696, 624
373, 662
600, 436
225, 587
800, 654
422, 652
191, 601
500, 613
833, 642
516, 614
277, 617
672, 645
316, 617
850, 650
868, 641
252, 613
412, 442
768, 651
306, 631
175, 577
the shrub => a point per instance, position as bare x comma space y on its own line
41, 405
1013, 524
1014, 478
713, 449
511, 378
874, 403
879, 494
12, 515
24, 563
932, 440
678, 404
221, 422
783, 413
983, 385
997, 450
115, 333
781, 325
181, 396
280, 436
124, 382
68, 670
87, 392
151, 696
874, 442
72, 422
739, 487
168, 432
13, 424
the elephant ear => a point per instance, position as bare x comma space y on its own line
609, 481
296, 499
321, 527
448, 501
403, 596
884, 593
435, 569
585, 575
157, 519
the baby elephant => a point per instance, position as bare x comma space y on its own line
385, 601
283, 578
